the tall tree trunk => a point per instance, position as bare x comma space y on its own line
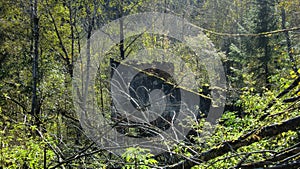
121, 47
266, 61
35, 55
264, 24
288, 40
70, 67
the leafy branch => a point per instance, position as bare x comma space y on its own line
247, 139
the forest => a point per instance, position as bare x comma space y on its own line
140, 84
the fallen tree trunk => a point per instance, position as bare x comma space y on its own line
245, 140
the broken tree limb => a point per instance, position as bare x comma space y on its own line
248, 139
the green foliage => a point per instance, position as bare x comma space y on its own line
138, 158
20, 148
258, 68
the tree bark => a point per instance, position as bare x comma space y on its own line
121, 47
35, 56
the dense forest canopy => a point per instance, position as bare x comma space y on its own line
239, 57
